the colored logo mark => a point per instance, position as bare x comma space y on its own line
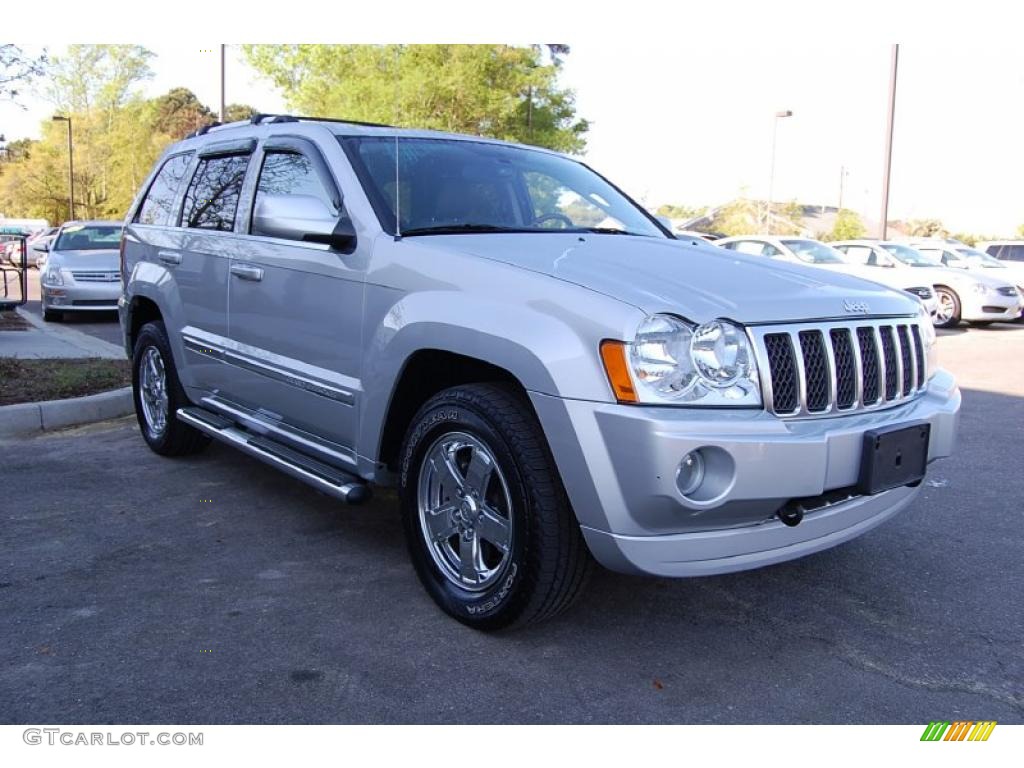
960, 730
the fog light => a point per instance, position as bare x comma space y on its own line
691, 473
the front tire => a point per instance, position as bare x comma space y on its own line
488, 524
948, 313
158, 395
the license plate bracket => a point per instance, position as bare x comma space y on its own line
893, 457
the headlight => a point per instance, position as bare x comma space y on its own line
52, 276
674, 362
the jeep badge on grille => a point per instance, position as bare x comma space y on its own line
856, 306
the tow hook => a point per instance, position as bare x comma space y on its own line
791, 514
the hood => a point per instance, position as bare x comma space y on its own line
956, 277
901, 279
699, 282
105, 259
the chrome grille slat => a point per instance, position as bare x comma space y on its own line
816, 369
95, 276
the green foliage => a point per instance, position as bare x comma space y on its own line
682, 211
235, 112
507, 92
117, 135
848, 226
1020, 231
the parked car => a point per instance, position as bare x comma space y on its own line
801, 250
82, 270
996, 298
1010, 271
543, 371
35, 244
972, 296
1009, 253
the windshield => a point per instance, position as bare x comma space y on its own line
978, 257
84, 237
814, 252
908, 255
452, 186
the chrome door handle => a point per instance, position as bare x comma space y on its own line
245, 272
169, 257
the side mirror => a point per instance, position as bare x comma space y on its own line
44, 247
304, 218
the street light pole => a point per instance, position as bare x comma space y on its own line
71, 166
771, 179
889, 123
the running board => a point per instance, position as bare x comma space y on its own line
331, 480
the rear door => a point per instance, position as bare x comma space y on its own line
200, 264
296, 312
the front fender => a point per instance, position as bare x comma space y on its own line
546, 346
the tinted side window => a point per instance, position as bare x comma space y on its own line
212, 197
156, 207
289, 173
1013, 252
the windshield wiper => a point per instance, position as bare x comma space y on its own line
461, 229
608, 231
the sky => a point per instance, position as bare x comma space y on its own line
691, 122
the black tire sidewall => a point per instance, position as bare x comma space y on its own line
504, 601
154, 335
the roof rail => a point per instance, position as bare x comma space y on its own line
259, 118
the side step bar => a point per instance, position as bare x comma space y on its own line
331, 480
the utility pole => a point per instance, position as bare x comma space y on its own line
71, 166
223, 110
842, 181
771, 178
889, 123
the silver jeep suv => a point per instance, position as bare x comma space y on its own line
547, 374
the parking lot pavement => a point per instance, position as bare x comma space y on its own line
139, 589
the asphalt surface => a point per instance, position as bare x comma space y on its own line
138, 589
103, 325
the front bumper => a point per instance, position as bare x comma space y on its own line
990, 307
81, 297
619, 464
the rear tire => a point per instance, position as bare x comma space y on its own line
948, 313
158, 395
479, 487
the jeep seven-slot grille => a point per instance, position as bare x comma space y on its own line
833, 367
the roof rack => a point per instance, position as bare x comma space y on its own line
271, 118
260, 118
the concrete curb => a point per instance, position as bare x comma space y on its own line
28, 418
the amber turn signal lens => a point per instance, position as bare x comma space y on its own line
613, 355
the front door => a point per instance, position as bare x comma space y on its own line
294, 318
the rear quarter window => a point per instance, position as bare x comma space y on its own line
159, 200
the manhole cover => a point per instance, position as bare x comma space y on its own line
12, 321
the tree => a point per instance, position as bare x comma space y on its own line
685, 212
1020, 231
178, 113
504, 91
17, 69
925, 228
235, 112
848, 226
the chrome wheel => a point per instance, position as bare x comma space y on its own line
946, 309
153, 390
465, 511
